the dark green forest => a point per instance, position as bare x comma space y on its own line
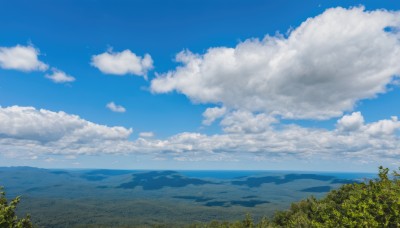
373, 203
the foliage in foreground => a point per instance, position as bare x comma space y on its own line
375, 203
8, 218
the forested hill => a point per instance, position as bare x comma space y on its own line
375, 203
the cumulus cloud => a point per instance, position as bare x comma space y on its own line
351, 122
321, 69
121, 63
258, 135
383, 127
115, 108
44, 125
26, 130
22, 58
247, 122
31, 133
355, 122
211, 114
58, 76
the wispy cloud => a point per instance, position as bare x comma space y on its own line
58, 76
115, 108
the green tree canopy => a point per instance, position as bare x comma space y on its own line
8, 218
375, 203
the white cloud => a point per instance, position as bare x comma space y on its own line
351, 122
26, 132
23, 58
355, 122
146, 134
319, 71
59, 76
211, 114
246, 122
26, 129
383, 127
115, 108
121, 63
258, 135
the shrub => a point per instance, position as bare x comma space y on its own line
375, 203
8, 218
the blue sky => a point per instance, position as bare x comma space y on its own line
200, 84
